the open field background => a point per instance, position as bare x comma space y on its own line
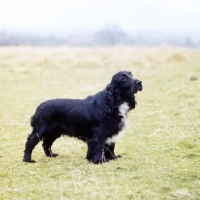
161, 148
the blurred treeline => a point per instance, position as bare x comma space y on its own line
110, 35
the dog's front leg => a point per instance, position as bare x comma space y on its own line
109, 151
95, 151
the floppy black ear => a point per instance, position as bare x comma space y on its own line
132, 102
107, 107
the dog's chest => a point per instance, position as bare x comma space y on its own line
123, 110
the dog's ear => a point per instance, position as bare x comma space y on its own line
107, 107
132, 102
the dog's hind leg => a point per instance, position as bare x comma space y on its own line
31, 142
109, 151
47, 143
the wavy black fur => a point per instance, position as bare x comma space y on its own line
93, 119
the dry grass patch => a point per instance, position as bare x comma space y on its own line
161, 149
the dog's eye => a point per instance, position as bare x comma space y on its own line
124, 78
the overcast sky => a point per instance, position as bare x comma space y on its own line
46, 16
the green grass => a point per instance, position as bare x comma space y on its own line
161, 148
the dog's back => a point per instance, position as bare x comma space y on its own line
63, 116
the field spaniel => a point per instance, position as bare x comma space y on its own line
99, 120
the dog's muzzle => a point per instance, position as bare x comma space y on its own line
138, 86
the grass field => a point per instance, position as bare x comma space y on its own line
161, 148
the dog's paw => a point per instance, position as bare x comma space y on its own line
102, 160
118, 156
52, 155
55, 155
113, 157
29, 160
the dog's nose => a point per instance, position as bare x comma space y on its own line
138, 82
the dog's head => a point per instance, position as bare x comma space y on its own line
126, 86
122, 88
126, 83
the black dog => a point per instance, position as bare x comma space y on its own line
98, 120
